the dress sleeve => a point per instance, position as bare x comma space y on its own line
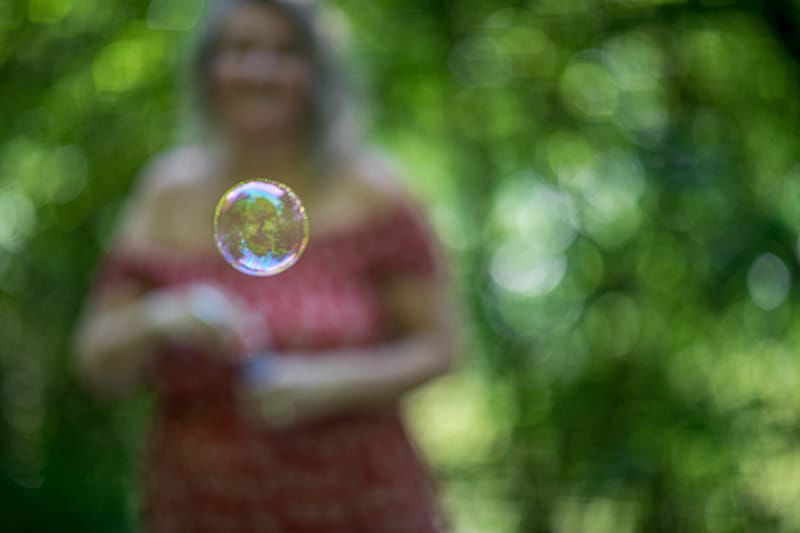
403, 244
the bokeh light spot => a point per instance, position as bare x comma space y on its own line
174, 15
768, 282
613, 323
635, 60
517, 269
17, 220
65, 173
480, 61
589, 91
120, 66
542, 215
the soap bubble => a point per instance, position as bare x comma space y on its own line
260, 227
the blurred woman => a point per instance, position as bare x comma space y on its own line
309, 439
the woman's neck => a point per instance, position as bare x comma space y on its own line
288, 164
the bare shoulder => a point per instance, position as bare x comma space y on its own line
166, 182
363, 190
376, 182
178, 169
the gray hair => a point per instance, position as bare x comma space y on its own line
333, 130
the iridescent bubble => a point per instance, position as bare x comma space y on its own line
260, 227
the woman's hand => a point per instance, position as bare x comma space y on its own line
117, 337
294, 390
297, 388
206, 315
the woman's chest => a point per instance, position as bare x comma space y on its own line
325, 301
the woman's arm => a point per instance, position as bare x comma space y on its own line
122, 325
423, 346
115, 339
306, 388
119, 333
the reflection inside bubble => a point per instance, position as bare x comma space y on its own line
260, 227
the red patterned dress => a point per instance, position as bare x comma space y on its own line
210, 471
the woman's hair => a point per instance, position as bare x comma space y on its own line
332, 127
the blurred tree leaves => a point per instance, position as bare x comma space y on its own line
617, 183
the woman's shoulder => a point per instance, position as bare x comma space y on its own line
398, 237
176, 169
167, 181
375, 181
364, 191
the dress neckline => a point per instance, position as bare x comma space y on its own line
212, 255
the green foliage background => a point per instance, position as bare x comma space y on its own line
616, 182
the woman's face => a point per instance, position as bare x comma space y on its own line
260, 77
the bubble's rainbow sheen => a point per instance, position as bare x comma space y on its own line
260, 227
